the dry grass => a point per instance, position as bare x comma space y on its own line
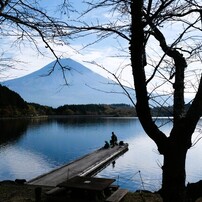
12, 192
142, 197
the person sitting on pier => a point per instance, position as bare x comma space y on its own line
106, 146
113, 140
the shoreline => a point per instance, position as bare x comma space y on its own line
10, 191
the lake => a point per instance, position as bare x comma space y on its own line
31, 147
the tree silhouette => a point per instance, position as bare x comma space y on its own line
27, 22
161, 65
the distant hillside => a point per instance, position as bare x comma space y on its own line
117, 110
9, 97
11, 104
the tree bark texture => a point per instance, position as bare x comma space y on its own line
174, 174
174, 151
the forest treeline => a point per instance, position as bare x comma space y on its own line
12, 105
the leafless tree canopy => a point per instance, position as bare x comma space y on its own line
164, 39
24, 21
164, 46
169, 27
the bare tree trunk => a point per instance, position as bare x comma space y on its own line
174, 174
175, 147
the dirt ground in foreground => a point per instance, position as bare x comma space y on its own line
12, 192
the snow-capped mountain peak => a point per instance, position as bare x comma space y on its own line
47, 86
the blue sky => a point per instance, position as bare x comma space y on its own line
102, 52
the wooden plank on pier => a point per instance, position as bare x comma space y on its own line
117, 195
85, 166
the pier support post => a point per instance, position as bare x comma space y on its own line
38, 191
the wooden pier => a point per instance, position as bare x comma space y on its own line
85, 166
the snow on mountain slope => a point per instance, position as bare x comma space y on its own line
84, 86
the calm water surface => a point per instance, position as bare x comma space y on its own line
31, 147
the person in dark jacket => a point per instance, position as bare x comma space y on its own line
113, 140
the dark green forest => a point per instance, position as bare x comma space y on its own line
12, 105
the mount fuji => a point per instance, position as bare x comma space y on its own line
84, 86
